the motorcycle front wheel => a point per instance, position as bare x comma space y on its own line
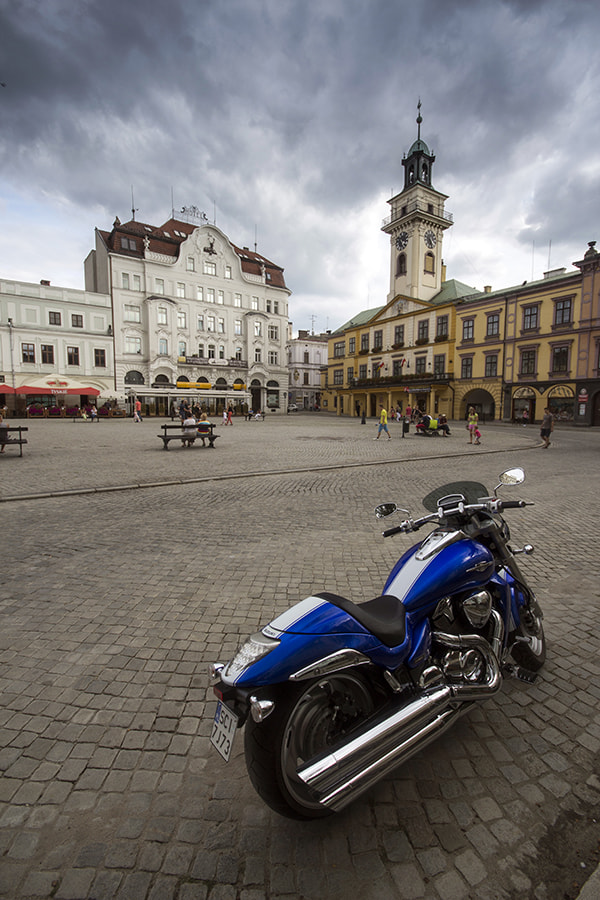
307, 721
529, 650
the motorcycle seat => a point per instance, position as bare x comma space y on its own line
384, 616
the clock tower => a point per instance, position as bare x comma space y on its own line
416, 226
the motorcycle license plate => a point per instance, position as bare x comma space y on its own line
223, 730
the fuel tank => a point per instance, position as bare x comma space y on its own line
442, 564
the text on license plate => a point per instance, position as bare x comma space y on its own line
223, 730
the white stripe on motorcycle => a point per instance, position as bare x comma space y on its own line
293, 615
408, 575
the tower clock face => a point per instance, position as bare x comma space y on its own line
402, 240
430, 239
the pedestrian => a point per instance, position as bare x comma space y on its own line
382, 423
229, 416
224, 422
472, 422
525, 417
138, 409
477, 434
409, 411
3, 433
547, 427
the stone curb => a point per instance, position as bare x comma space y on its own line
240, 475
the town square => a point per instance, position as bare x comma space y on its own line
129, 570
241, 244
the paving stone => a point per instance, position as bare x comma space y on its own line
106, 710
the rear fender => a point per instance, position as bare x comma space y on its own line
310, 638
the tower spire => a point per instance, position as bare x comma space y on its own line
419, 120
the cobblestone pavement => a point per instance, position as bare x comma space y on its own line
113, 602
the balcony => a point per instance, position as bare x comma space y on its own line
425, 378
416, 206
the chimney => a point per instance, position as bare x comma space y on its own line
487, 289
45, 283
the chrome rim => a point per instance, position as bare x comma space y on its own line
327, 711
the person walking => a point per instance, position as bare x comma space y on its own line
138, 411
472, 422
3, 433
525, 417
547, 427
383, 423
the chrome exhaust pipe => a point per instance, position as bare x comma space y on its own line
337, 776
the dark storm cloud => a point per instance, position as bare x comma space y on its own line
292, 116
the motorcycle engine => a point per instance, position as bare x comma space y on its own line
477, 608
464, 665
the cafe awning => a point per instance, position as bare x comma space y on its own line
57, 384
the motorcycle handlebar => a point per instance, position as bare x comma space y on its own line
492, 506
391, 531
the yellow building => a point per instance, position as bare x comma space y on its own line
443, 346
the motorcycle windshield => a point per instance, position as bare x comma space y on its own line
472, 491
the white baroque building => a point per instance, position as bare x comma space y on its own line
194, 316
53, 339
306, 355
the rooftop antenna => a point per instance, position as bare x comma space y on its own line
312, 327
172, 204
549, 252
255, 237
214, 212
133, 209
532, 255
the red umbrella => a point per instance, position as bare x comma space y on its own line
57, 384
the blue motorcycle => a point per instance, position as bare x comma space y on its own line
334, 695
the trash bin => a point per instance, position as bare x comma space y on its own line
406, 426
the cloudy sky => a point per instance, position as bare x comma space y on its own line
286, 121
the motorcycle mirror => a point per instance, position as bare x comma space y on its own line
385, 509
511, 476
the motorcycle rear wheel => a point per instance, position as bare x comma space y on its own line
308, 720
529, 649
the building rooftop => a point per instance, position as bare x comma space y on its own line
359, 319
129, 239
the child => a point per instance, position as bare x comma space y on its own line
477, 434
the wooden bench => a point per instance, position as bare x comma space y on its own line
175, 433
14, 442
